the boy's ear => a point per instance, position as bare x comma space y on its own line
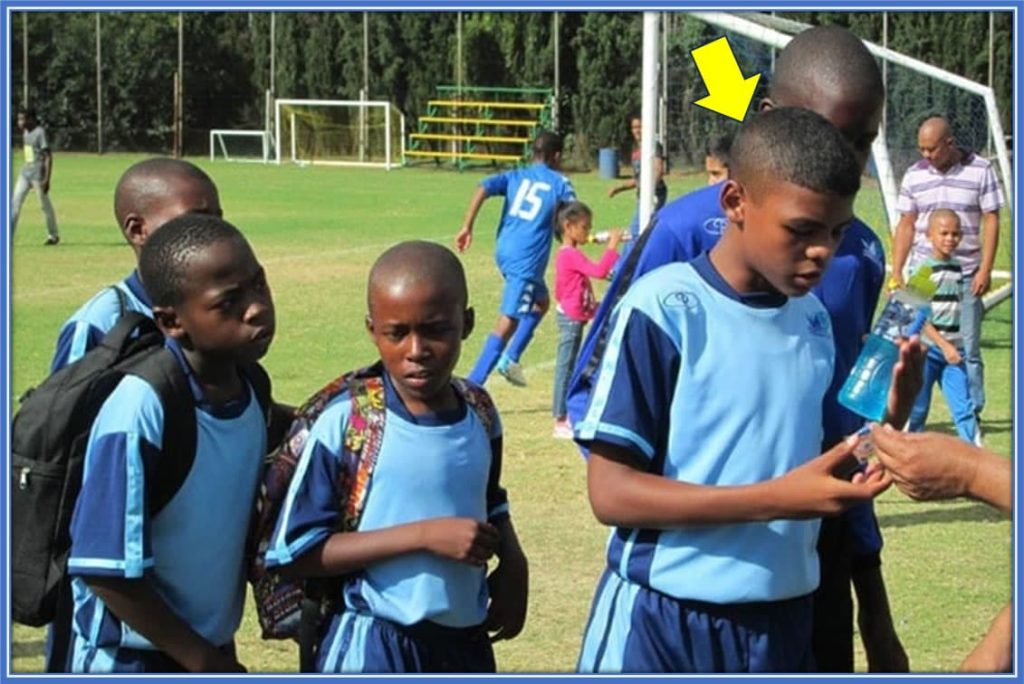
765, 104
369, 324
733, 199
133, 229
468, 321
169, 323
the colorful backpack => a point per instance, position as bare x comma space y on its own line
295, 609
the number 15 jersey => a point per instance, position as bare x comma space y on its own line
532, 196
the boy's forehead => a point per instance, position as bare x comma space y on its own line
223, 261
392, 294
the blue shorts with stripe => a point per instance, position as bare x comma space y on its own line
520, 294
357, 642
635, 629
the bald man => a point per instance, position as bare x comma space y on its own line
828, 70
950, 177
148, 195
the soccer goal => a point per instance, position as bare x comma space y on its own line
914, 90
239, 145
338, 132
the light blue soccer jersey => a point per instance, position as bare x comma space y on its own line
708, 387
427, 467
87, 326
192, 550
532, 196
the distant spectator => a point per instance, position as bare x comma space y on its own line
660, 189
716, 158
35, 174
950, 177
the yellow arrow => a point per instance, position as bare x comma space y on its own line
728, 92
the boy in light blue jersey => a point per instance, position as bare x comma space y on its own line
706, 418
532, 196
828, 70
148, 195
164, 592
415, 595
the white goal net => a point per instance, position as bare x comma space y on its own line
239, 145
338, 132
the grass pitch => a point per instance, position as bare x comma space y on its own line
317, 231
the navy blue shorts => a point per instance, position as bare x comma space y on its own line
635, 629
357, 642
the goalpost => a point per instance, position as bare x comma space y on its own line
338, 132
239, 145
914, 89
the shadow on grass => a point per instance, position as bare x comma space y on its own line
946, 514
996, 344
988, 427
27, 649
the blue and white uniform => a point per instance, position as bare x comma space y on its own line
94, 319
668, 391
191, 551
532, 196
399, 612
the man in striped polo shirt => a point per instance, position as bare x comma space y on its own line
950, 177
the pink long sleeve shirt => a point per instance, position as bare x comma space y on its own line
573, 271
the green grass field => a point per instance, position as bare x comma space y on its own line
317, 231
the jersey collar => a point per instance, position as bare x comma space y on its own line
757, 300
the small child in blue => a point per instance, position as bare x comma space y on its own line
944, 362
148, 195
164, 593
532, 196
706, 418
416, 595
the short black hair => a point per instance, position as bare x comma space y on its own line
546, 145
420, 262
27, 113
797, 146
719, 148
165, 258
573, 210
150, 180
825, 55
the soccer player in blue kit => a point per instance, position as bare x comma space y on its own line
711, 484
532, 196
828, 70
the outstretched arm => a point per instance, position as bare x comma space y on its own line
930, 466
464, 238
623, 495
995, 652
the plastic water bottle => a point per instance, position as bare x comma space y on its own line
866, 390
605, 235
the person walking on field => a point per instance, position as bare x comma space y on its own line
35, 174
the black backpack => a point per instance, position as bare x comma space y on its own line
48, 441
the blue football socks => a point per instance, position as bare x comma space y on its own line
522, 336
488, 358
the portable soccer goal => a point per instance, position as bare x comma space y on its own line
914, 90
338, 132
239, 145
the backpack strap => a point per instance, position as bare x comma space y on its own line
363, 436
477, 398
122, 301
164, 373
260, 382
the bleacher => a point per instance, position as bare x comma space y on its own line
471, 124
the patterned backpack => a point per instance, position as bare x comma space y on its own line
295, 609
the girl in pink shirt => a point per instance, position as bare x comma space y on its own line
575, 296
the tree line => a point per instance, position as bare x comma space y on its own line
226, 65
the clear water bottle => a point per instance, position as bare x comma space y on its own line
866, 390
605, 235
